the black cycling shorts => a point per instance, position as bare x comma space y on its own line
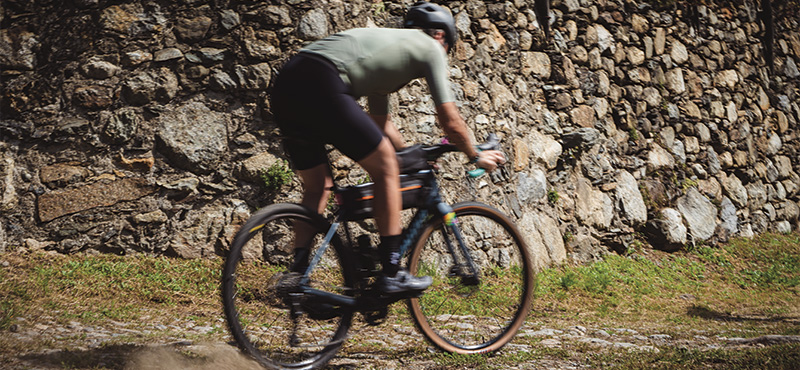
313, 107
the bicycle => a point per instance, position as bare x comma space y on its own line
483, 276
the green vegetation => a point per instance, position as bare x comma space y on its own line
777, 357
331, 205
746, 288
456, 361
500, 289
93, 288
503, 361
552, 196
568, 236
770, 261
378, 8
364, 180
7, 313
758, 277
277, 175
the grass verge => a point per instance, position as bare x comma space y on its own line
93, 288
746, 288
778, 357
750, 284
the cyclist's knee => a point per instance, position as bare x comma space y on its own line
382, 162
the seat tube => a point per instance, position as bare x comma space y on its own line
321, 251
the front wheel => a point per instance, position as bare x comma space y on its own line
268, 316
461, 315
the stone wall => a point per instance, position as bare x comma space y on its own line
142, 126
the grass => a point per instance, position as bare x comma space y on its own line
93, 288
777, 357
745, 288
745, 277
497, 294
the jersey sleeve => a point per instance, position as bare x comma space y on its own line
436, 74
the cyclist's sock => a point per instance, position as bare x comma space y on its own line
300, 263
390, 254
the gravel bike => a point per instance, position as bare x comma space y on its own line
483, 277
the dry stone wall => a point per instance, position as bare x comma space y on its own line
144, 126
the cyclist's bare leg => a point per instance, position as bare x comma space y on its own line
384, 170
316, 184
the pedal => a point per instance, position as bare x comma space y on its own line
466, 279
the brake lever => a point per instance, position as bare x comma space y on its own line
492, 143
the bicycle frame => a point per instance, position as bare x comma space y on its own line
433, 207
489, 261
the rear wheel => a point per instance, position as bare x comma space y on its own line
456, 314
268, 319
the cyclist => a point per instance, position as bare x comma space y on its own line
314, 103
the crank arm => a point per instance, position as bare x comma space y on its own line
321, 296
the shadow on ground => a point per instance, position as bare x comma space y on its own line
107, 357
704, 312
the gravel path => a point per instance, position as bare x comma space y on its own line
45, 344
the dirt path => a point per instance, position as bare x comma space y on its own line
45, 344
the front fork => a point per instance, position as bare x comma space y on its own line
463, 267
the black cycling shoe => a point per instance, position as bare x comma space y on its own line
403, 282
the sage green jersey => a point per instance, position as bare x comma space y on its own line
375, 62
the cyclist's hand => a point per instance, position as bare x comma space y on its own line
490, 159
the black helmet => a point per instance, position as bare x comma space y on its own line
428, 15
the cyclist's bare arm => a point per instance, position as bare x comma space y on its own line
384, 122
458, 134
